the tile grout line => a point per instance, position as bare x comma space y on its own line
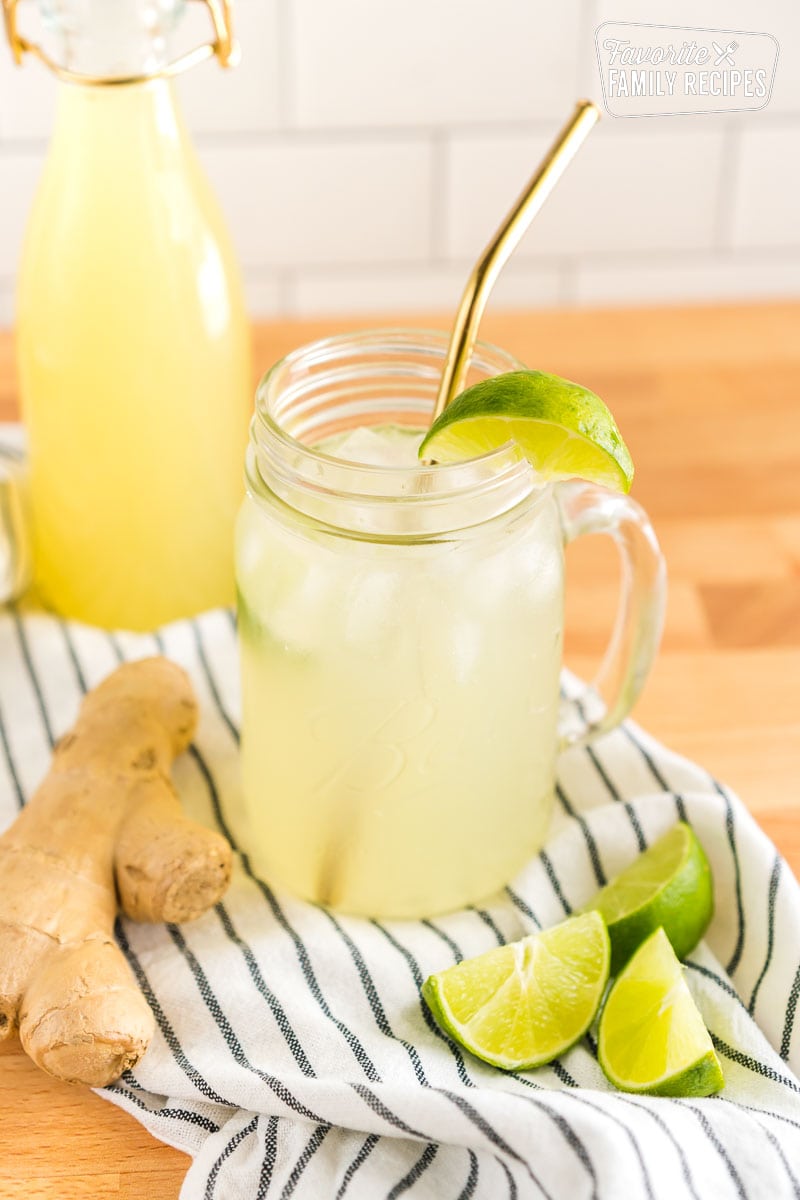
568, 281
585, 62
287, 66
292, 134
440, 164
729, 179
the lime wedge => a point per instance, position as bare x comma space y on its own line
651, 1037
524, 1004
670, 885
563, 429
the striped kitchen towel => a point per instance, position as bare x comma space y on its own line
293, 1055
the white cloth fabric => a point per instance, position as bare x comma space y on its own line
293, 1055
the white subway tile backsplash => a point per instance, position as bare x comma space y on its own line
245, 98
27, 97
701, 277
19, 175
629, 189
364, 153
766, 208
263, 296
360, 63
315, 202
422, 289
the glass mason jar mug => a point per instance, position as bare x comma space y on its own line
401, 635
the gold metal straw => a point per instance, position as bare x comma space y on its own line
503, 244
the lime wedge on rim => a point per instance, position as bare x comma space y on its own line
651, 1037
523, 1004
563, 429
669, 885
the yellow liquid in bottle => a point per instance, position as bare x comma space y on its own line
134, 361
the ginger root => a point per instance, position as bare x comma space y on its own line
106, 813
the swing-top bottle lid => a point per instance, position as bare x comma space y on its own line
100, 42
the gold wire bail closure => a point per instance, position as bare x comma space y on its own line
224, 48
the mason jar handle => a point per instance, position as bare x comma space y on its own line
600, 705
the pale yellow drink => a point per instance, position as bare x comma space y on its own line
134, 366
400, 700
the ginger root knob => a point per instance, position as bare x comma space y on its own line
106, 822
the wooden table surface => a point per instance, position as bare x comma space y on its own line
708, 400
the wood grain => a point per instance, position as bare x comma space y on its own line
707, 400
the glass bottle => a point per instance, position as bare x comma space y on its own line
133, 342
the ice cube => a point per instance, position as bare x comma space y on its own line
303, 620
383, 447
372, 607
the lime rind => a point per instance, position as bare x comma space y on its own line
563, 428
651, 1036
669, 886
523, 1004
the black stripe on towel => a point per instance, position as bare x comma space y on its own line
523, 906
730, 831
379, 1108
12, 766
773, 1141
665, 1129
226, 1153
490, 923
73, 657
472, 1179
753, 1064
544, 858
276, 1008
588, 836
480, 1122
371, 992
417, 976
167, 1032
270, 1154
631, 1136
448, 941
512, 1185
727, 987
762, 1112
212, 683
357, 1049
363, 1154
419, 1168
718, 1146
311, 1148
651, 765
177, 1114
231, 1040
774, 881
791, 1010
573, 1139
32, 675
